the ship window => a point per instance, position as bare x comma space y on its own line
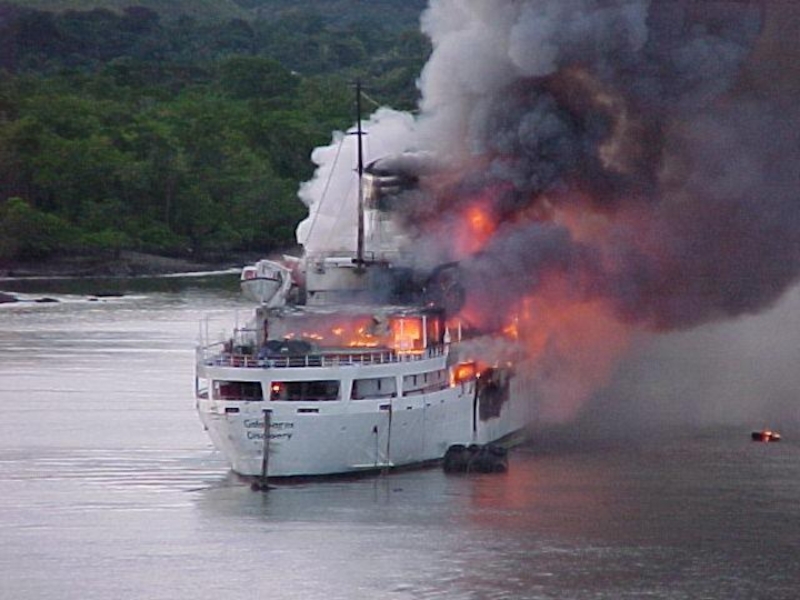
304, 391
237, 390
374, 387
432, 381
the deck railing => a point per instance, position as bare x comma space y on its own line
217, 355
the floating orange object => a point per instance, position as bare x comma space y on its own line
766, 435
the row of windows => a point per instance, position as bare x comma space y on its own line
329, 390
426, 382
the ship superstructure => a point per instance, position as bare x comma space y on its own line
355, 360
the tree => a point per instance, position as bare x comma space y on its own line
26, 232
250, 77
126, 130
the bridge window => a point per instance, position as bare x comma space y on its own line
304, 391
374, 387
432, 381
237, 390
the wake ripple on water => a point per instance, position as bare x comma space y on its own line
124, 479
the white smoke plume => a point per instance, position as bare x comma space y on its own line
332, 195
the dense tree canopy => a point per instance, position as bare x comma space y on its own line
122, 130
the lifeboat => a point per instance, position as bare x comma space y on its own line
266, 282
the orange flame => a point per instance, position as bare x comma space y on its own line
464, 372
407, 334
402, 334
475, 227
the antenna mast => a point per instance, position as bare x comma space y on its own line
360, 134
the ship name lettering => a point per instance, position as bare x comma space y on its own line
257, 435
259, 424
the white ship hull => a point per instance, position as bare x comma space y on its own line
351, 434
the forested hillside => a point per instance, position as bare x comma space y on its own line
401, 13
132, 129
203, 9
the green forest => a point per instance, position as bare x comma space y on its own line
181, 132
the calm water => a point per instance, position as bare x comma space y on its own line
110, 489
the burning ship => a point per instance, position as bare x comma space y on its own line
610, 173
354, 361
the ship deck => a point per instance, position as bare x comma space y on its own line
216, 356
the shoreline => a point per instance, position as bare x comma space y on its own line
104, 277
126, 265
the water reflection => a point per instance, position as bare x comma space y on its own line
108, 478
610, 521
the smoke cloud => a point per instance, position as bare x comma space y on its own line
332, 195
631, 112
636, 156
731, 373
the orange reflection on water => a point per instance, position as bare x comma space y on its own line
549, 494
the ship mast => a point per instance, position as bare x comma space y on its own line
360, 134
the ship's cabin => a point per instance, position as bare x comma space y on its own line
294, 333
297, 355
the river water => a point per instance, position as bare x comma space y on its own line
109, 489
